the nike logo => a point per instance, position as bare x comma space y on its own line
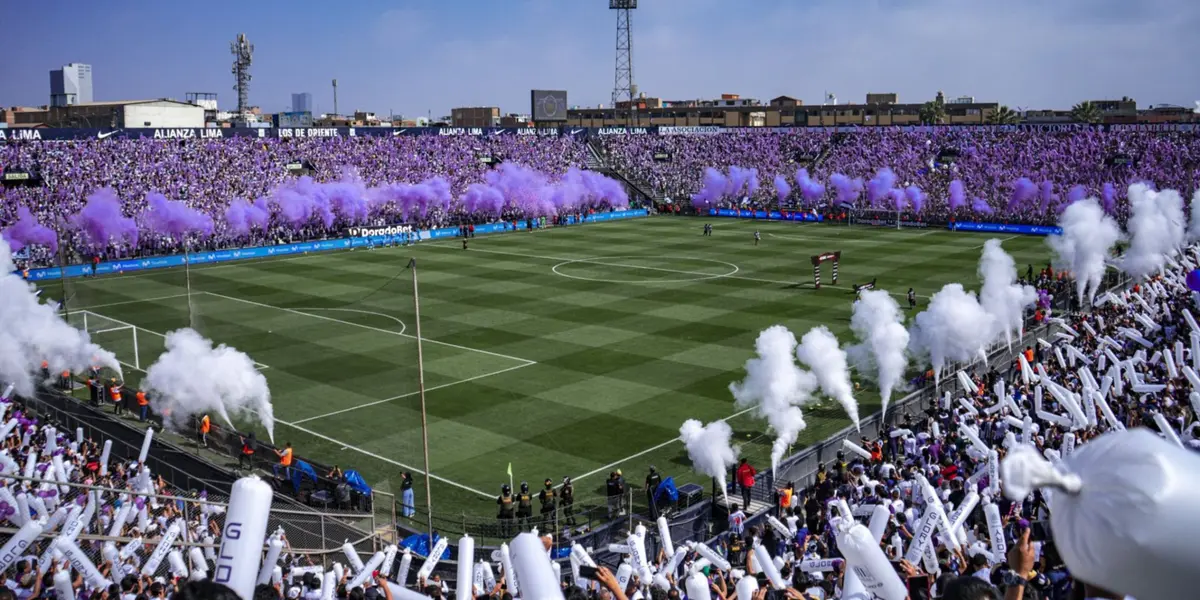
399, 131
576, 131
102, 135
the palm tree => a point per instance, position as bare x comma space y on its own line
1086, 112
933, 112
1004, 116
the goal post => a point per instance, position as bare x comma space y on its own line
114, 335
876, 217
817, 260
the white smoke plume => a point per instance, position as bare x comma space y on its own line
192, 378
819, 350
708, 447
31, 332
1193, 233
879, 326
1088, 237
1000, 295
1156, 229
955, 327
776, 387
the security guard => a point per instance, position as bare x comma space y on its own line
653, 479
549, 499
567, 495
524, 505
505, 516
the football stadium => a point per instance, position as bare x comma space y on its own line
598, 354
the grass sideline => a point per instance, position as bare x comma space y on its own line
567, 352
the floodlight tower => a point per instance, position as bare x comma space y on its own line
243, 55
623, 79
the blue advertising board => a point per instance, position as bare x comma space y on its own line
1007, 228
773, 215
218, 256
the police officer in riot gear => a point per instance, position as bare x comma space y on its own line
549, 499
567, 498
524, 505
507, 507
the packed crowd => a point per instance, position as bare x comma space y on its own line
988, 164
209, 175
60, 481
938, 506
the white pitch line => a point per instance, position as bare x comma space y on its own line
649, 450
386, 400
360, 325
171, 297
385, 459
1003, 240
597, 260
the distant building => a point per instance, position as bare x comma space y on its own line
887, 98
121, 114
477, 116
72, 84
963, 100
302, 102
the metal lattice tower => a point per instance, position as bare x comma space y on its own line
623, 80
243, 55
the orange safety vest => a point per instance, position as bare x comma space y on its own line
205, 424
115, 392
785, 498
286, 459
141, 399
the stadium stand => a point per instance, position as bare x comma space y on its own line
947, 496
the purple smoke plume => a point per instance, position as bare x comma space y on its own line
981, 206
958, 195
483, 199
174, 218
600, 190
916, 197
847, 189
898, 199
880, 186
523, 188
1049, 198
102, 222
1075, 194
1023, 191
419, 198
810, 189
347, 197
741, 179
1108, 197
752, 182
241, 215
712, 190
300, 201
26, 230
782, 188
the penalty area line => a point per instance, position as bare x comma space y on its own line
651, 449
385, 459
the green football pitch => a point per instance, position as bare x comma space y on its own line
565, 352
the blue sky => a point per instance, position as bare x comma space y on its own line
417, 56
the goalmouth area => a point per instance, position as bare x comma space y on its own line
566, 352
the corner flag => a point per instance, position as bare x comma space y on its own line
510, 478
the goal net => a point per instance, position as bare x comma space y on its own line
116, 336
875, 217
